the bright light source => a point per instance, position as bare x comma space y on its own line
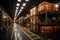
26, 0
56, 5
22, 7
18, 4
17, 7
19, 0
46, 5
24, 4
4, 16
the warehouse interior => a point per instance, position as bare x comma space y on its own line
30, 19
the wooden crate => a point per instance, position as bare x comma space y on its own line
34, 19
28, 25
34, 28
33, 11
47, 6
41, 8
46, 29
56, 28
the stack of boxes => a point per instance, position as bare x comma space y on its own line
50, 9
34, 19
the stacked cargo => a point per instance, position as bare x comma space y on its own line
48, 14
48, 6
46, 29
34, 19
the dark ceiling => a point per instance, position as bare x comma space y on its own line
10, 6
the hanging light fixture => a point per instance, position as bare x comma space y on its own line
17, 4
57, 5
24, 4
19, 0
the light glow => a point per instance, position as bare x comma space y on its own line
4, 16
17, 7
24, 4
16, 10
56, 5
22, 7
19, 0
17, 4
26, 0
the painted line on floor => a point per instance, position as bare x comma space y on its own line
26, 34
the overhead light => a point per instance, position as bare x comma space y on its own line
17, 7
19, 0
18, 4
57, 5
24, 4
26, 0
22, 7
